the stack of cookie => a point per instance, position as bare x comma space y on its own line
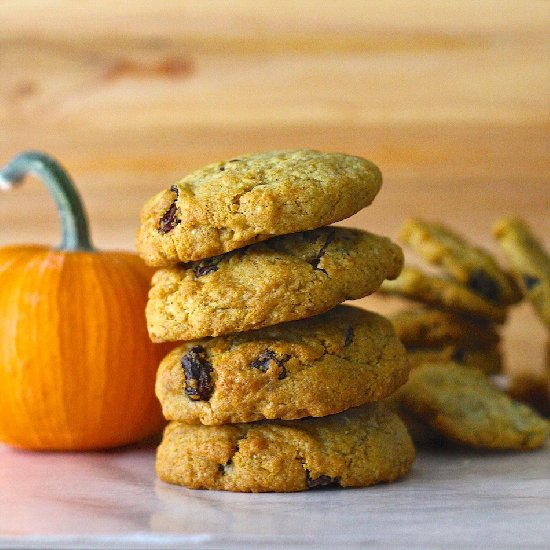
457, 329
249, 282
462, 309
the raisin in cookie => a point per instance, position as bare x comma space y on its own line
231, 204
443, 293
433, 327
283, 279
313, 367
530, 262
487, 359
356, 448
464, 406
470, 265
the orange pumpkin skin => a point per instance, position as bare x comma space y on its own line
77, 367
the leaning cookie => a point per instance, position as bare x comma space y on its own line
283, 279
470, 265
530, 262
432, 327
420, 432
461, 404
356, 448
443, 293
231, 204
487, 359
313, 367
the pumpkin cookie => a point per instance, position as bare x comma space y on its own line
231, 204
464, 406
355, 448
470, 265
433, 327
487, 359
283, 279
419, 431
313, 367
443, 293
530, 261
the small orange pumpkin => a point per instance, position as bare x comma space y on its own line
77, 367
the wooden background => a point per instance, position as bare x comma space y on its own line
451, 99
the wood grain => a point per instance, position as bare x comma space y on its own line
451, 99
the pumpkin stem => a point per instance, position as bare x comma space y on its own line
74, 222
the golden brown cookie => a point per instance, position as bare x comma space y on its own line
470, 265
487, 359
283, 279
532, 388
443, 293
420, 432
232, 204
530, 262
464, 406
313, 367
356, 448
427, 327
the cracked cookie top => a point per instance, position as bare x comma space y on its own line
313, 367
251, 198
356, 448
283, 279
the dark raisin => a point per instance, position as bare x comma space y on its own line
459, 355
315, 262
170, 218
482, 283
222, 168
348, 338
211, 264
197, 369
265, 358
206, 267
320, 481
530, 282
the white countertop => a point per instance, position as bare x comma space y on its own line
451, 499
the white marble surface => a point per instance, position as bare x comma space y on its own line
451, 499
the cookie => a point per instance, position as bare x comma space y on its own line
433, 327
530, 262
532, 388
439, 292
464, 406
356, 448
283, 279
231, 204
312, 367
420, 432
470, 265
487, 359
